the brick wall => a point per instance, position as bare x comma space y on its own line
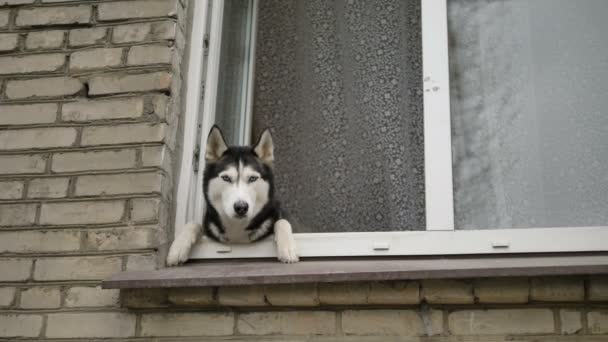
90, 96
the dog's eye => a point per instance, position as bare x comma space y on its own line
226, 178
253, 179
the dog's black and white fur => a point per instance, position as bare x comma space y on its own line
241, 207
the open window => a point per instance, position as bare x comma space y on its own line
437, 127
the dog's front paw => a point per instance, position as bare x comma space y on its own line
286, 245
180, 248
287, 254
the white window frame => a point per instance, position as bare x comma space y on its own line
439, 238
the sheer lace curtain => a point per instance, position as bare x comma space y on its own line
339, 83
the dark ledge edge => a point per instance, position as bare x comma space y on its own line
248, 272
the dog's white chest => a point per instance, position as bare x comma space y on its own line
235, 231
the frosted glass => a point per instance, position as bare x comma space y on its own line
529, 104
234, 68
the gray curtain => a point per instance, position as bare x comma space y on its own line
339, 83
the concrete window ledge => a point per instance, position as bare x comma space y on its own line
255, 272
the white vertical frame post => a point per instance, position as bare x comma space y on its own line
187, 176
437, 128
210, 96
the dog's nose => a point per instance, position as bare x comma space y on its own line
241, 207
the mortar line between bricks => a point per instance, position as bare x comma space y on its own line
85, 253
68, 124
80, 226
91, 148
83, 173
99, 72
105, 23
71, 50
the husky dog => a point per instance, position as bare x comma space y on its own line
238, 185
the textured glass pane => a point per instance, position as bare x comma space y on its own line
339, 83
234, 68
529, 92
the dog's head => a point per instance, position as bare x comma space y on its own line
238, 180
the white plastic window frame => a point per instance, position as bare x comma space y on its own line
439, 238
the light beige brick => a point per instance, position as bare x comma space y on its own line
31, 63
28, 114
187, 324
571, 321
78, 268
557, 289
142, 262
94, 160
37, 138
8, 41
123, 134
118, 184
123, 108
134, 33
48, 188
144, 209
597, 322
439, 291
502, 290
4, 16
155, 156
149, 54
7, 296
124, 83
136, 9
292, 294
17, 214
392, 322
86, 212
48, 39
241, 296
495, 322
20, 325
191, 296
10, 164
287, 322
598, 288
40, 298
86, 296
11, 190
15, 2
87, 36
90, 325
96, 58
343, 293
43, 87
394, 292
122, 238
145, 298
15, 269
39, 241
60, 15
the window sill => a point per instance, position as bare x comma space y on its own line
253, 272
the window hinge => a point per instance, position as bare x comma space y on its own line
196, 157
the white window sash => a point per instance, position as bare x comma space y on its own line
440, 237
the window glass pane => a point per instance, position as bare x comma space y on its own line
234, 68
339, 82
529, 102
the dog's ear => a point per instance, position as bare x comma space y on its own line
216, 145
264, 148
